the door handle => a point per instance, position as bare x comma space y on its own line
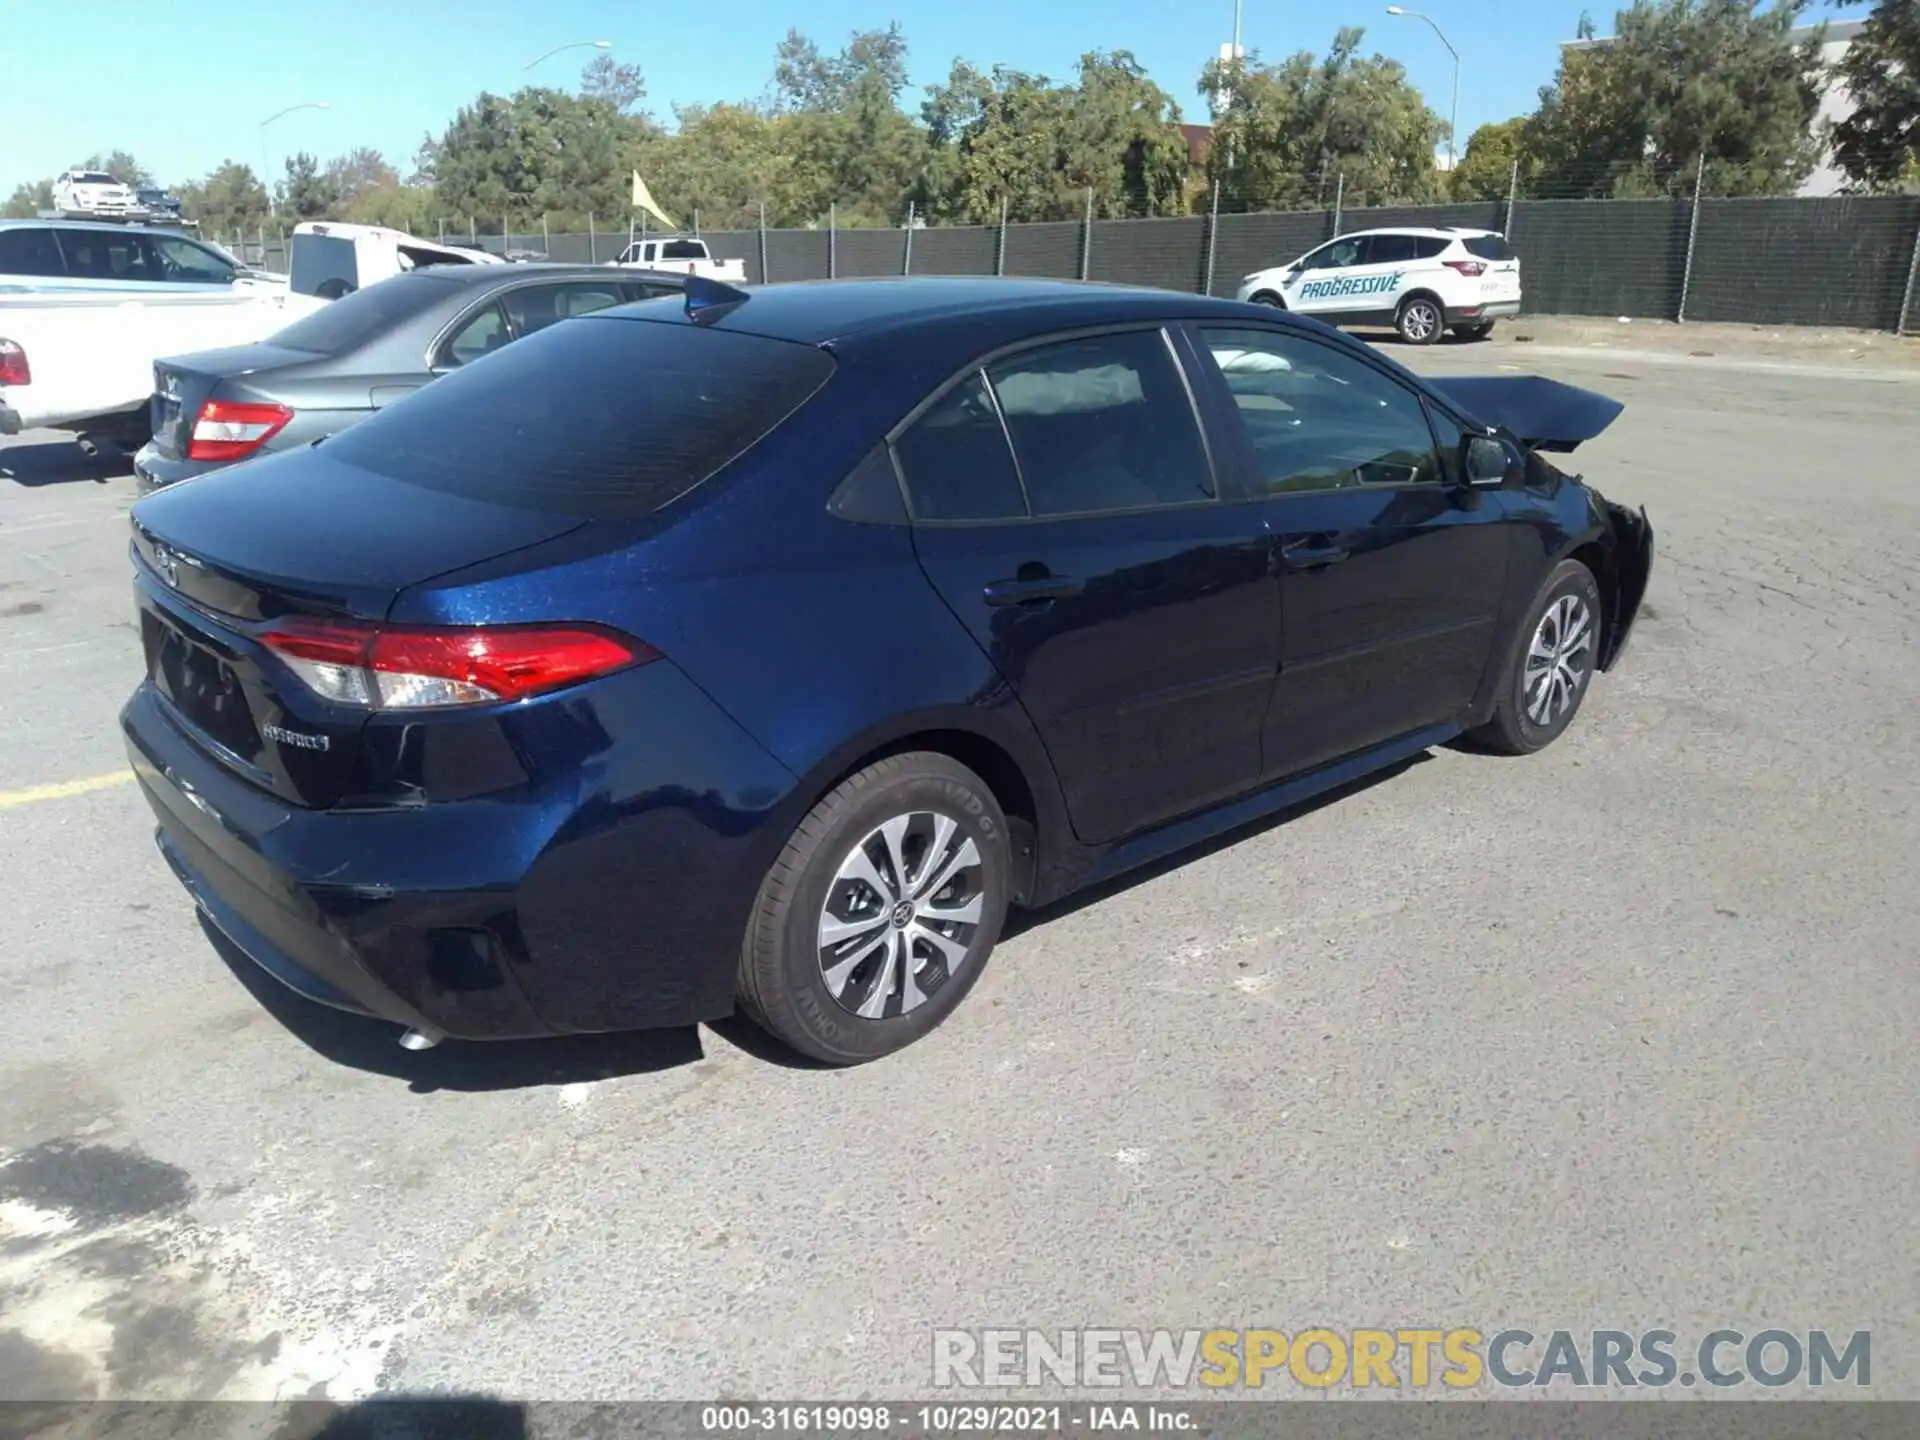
1314, 553
1037, 590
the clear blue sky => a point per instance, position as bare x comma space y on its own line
185, 84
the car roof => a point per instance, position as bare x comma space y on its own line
814, 312
1438, 232
455, 273
109, 226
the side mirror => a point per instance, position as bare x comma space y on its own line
1488, 462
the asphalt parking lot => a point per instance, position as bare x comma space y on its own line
1618, 1036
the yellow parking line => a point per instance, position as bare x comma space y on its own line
10, 799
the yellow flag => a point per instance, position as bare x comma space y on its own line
643, 200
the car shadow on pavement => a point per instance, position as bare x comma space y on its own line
1021, 921
60, 461
374, 1045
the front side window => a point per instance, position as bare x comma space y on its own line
1318, 419
1101, 424
184, 262
1337, 256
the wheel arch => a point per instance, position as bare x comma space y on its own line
1267, 296
1017, 773
1422, 292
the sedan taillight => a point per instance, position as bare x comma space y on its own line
402, 667
231, 430
14, 369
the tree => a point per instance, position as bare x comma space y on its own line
28, 201
357, 173
621, 86
1040, 147
840, 119
1287, 133
1485, 171
306, 194
1878, 145
536, 152
228, 200
119, 164
1679, 80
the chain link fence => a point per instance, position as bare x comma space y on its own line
1849, 261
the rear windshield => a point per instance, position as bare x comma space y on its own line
684, 250
594, 417
1488, 247
352, 320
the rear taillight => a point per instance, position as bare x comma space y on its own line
395, 667
228, 430
1466, 267
14, 369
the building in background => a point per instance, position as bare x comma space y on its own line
1835, 103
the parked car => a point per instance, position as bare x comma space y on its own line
766, 646
156, 203
328, 260
1420, 281
92, 193
338, 365
685, 253
43, 255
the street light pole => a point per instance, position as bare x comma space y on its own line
570, 45
264, 178
1453, 117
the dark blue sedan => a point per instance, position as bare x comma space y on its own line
762, 648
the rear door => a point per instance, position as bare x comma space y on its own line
1390, 571
1067, 511
1501, 281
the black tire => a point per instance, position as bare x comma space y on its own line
1420, 320
334, 289
1267, 297
783, 984
1514, 728
1474, 332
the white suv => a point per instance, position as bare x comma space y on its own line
1420, 281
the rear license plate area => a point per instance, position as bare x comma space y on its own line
199, 684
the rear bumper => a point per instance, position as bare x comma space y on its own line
1479, 314
153, 470
558, 912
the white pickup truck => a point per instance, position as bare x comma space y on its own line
83, 361
682, 254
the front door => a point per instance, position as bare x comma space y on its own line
1066, 509
1390, 572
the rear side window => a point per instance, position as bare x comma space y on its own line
534, 307
29, 252
352, 320
1390, 249
1488, 247
956, 461
604, 418
323, 260
1429, 247
481, 335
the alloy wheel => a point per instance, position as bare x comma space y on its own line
1420, 321
1559, 659
900, 914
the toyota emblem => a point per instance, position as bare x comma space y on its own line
163, 561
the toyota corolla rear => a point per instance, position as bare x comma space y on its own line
404, 752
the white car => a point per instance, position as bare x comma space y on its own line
329, 260
92, 193
1420, 281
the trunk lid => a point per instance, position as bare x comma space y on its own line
218, 560
182, 384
